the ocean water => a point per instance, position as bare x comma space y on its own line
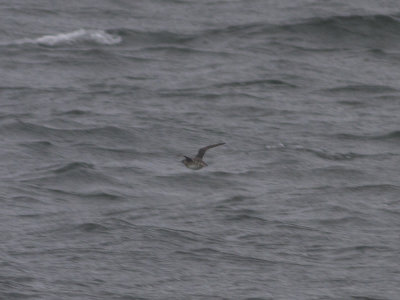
99, 100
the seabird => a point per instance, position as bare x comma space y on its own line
197, 162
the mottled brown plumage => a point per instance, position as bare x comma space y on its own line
197, 162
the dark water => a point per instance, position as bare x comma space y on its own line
99, 100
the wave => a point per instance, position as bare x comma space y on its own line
384, 187
246, 83
77, 36
45, 132
335, 156
153, 37
352, 23
321, 153
362, 88
208, 253
91, 227
375, 26
72, 167
376, 21
329, 33
390, 136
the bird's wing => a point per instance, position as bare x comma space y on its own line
188, 158
203, 150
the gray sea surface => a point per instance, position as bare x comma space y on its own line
99, 100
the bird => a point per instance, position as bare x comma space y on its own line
197, 162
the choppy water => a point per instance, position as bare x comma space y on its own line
99, 100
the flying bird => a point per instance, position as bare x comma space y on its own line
197, 162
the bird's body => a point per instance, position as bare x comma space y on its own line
197, 162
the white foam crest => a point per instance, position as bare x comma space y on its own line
97, 36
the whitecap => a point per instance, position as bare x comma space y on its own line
81, 35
